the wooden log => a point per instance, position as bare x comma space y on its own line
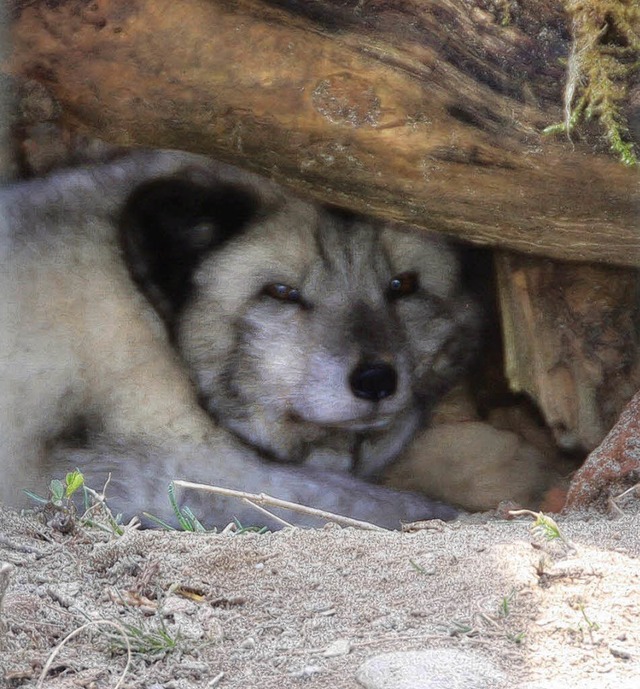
426, 112
571, 342
6, 104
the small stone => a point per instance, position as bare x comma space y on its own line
432, 669
340, 647
306, 672
621, 651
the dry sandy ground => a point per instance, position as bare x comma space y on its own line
306, 608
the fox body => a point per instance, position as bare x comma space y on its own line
165, 316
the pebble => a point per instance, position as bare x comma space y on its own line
340, 647
619, 650
433, 669
306, 672
248, 644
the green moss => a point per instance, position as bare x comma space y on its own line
605, 53
506, 13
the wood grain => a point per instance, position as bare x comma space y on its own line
426, 112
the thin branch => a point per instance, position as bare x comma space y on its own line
284, 522
263, 499
633, 489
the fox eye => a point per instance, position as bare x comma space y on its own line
282, 292
403, 285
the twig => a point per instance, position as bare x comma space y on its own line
284, 522
263, 499
5, 577
614, 507
75, 633
216, 680
633, 488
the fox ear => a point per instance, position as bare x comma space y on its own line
169, 225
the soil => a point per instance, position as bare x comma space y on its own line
309, 607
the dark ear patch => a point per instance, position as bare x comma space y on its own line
169, 225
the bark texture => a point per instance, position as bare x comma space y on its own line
612, 466
571, 342
428, 111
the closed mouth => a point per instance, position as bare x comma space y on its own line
357, 425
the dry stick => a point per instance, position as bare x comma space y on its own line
5, 578
284, 522
263, 499
216, 680
613, 500
626, 492
77, 631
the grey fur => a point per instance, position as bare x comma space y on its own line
85, 344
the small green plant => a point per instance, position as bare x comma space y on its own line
58, 506
491, 624
145, 637
544, 528
517, 638
187, 520
504, 607
506, 13
240, 529
463, 628
591, 625
60, 492
149, 640
61, 511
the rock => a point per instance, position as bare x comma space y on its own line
440, 668
619, 650
617, 458
340, 647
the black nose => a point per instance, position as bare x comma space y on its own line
373, 381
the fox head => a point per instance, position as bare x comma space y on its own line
302, 326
